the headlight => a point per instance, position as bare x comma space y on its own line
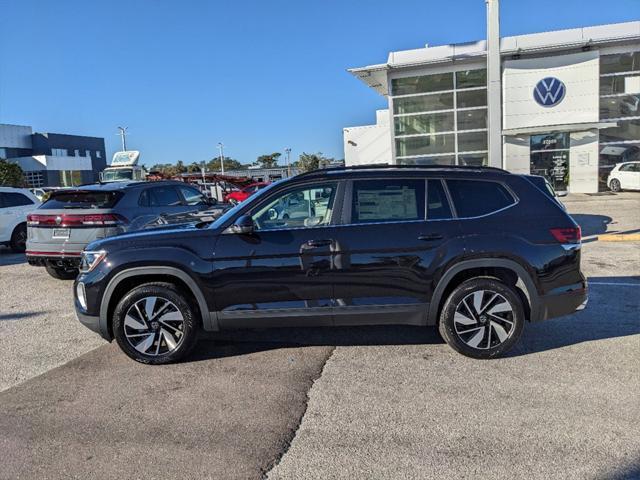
90, 260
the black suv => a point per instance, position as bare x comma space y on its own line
476, 251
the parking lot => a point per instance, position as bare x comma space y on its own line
374, 402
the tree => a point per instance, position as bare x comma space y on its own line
213, 165
10, 174
312, 161
269, 161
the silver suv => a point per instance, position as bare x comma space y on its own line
70, 219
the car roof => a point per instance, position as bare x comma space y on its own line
395, 170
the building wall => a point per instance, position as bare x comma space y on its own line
369, 144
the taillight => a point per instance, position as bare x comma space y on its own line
567, 235
70, 220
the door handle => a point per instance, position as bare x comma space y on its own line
430, 236
319, 243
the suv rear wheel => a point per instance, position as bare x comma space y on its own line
19, 238
615, 186
482, 318
155, 324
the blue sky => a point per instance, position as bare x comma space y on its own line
257, 75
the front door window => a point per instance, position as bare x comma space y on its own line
550, 159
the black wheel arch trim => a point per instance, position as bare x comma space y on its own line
209, 319
529, 287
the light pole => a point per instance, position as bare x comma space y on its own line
494, 87
288, 152
220, 147
123, 136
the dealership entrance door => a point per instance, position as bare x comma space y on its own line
550, 158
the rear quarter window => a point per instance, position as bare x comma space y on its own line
474, 198
82, 199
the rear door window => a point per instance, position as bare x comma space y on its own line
474, 198
166, 196
438, 207
192, 196
390, 200
13, 199
81, 199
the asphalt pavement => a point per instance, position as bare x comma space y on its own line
369, 402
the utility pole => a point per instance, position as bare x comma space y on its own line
220, 147
123, 136
287, 151
494, 84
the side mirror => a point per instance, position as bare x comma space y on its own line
562, 194
243, 225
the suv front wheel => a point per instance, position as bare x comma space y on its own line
482, 318
155, 324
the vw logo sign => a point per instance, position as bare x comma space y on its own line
549, 92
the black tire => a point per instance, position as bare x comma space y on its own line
166, 292
19, 238
462, 331
62, 273
615, 186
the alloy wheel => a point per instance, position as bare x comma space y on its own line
154, 326
484, 319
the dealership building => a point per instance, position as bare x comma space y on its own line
569, 104
52, 159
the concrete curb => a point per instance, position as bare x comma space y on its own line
619, 237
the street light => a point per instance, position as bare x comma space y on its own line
123, 136
288, 152
220, 147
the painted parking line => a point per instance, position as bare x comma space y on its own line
617, 284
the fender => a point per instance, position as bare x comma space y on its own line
209, 320
527, 284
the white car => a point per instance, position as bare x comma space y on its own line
624, 176
15, 204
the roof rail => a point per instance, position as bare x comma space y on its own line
408, 167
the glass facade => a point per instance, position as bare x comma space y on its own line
620, 104
441, 118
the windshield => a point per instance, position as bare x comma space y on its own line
254, 198
115, 175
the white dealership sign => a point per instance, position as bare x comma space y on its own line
547, 91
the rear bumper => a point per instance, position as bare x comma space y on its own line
563, 303
41, 258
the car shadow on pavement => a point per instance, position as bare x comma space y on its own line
240, 342
5, 317
9, 257
612, 311
592, 224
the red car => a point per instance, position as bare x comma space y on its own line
244, 193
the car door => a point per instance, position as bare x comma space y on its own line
281, 273
396, 232
5, 217
635, 176
625, 175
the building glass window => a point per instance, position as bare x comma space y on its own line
472, 141
422, 84
98, 154
425, 123
621, 62
626, 131
423, 103
3, 153
473, 159
471, 78
59, 152
70, 178
434, 160
471, 98
425, 145
472, 119
76, 153
34, 179
620, 106
615, 84
550, 141
611, 155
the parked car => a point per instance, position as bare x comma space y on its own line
624, 176
476, 251
241, 195
15, 204
70, 219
